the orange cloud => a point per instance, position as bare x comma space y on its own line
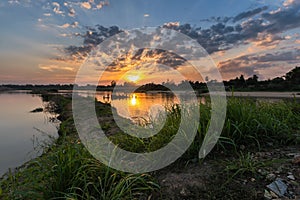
86, 5
52, 68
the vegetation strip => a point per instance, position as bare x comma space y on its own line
257, 141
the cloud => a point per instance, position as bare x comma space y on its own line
288, 3
260, 27
171, 25
278, 56
268, 40
249, 13
150, 57
67, 25
47, 14
264, 30
72, 12
52, 68
251, 64
56, 8
91, 4
101, 4
91, 39
283, 19
75, 24
14, 2
217, 19
86, 5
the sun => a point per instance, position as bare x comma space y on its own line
133, 78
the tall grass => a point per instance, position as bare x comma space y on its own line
69, 172
257, 122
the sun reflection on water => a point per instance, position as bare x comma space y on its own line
133, 100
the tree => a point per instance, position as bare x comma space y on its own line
113, 83
255, 78
293, 76
252, 80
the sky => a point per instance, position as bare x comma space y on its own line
43, 41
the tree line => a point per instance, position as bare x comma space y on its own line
288, 82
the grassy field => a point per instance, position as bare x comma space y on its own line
66, 170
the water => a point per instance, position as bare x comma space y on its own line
147, 105
20, 130
140, 106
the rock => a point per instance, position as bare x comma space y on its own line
273, 195
278, 187
291, 177
293, 154
271, 177
268, 195
37, 110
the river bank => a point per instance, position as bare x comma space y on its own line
259, 143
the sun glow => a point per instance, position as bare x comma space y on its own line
133, 78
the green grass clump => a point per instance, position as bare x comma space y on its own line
252, 122
245, 164
69, 172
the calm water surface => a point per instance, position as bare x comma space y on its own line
20, 130
139, 106
148, 105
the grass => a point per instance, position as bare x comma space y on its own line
66, 170
257, 123
245, 164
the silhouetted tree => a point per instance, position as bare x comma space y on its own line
293, 76
113, 83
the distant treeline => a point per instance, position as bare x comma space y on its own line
288, 82
52, 87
